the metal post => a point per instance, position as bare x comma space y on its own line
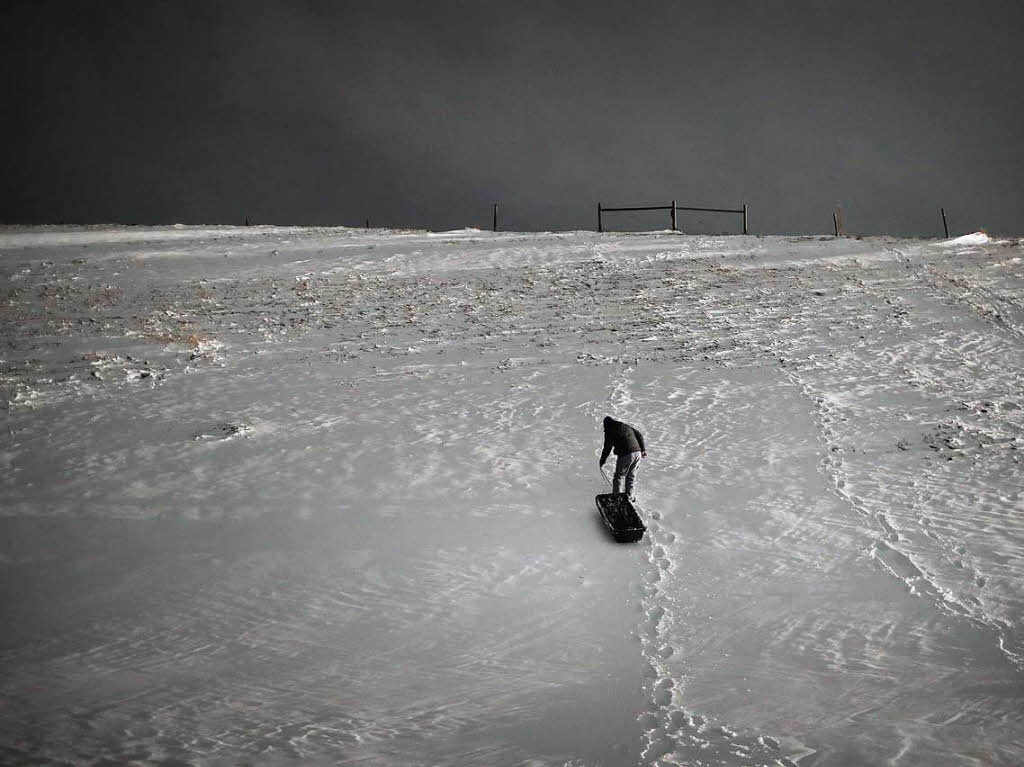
599, 227
673, 215
835, 221
945, 226
495, 217
744, 218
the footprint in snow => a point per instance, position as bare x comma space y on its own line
224, 431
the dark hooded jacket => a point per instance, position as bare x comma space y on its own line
622, 438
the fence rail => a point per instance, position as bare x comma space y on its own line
673, 207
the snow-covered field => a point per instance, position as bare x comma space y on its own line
325, 496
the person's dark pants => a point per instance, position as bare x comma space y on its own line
625, 469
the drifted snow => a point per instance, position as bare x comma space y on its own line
975, 238
279, 495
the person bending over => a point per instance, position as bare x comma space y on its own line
628, 444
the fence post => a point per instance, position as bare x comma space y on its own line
840, 217
673, 215
945, 226
495, 217
367, 223
744, 218
835, 222
599, 227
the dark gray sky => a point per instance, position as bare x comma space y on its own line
423, 114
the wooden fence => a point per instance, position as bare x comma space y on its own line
838, 217
673, 208
839, 222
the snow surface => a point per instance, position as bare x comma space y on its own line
325, 496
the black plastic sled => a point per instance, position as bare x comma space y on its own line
621, 517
